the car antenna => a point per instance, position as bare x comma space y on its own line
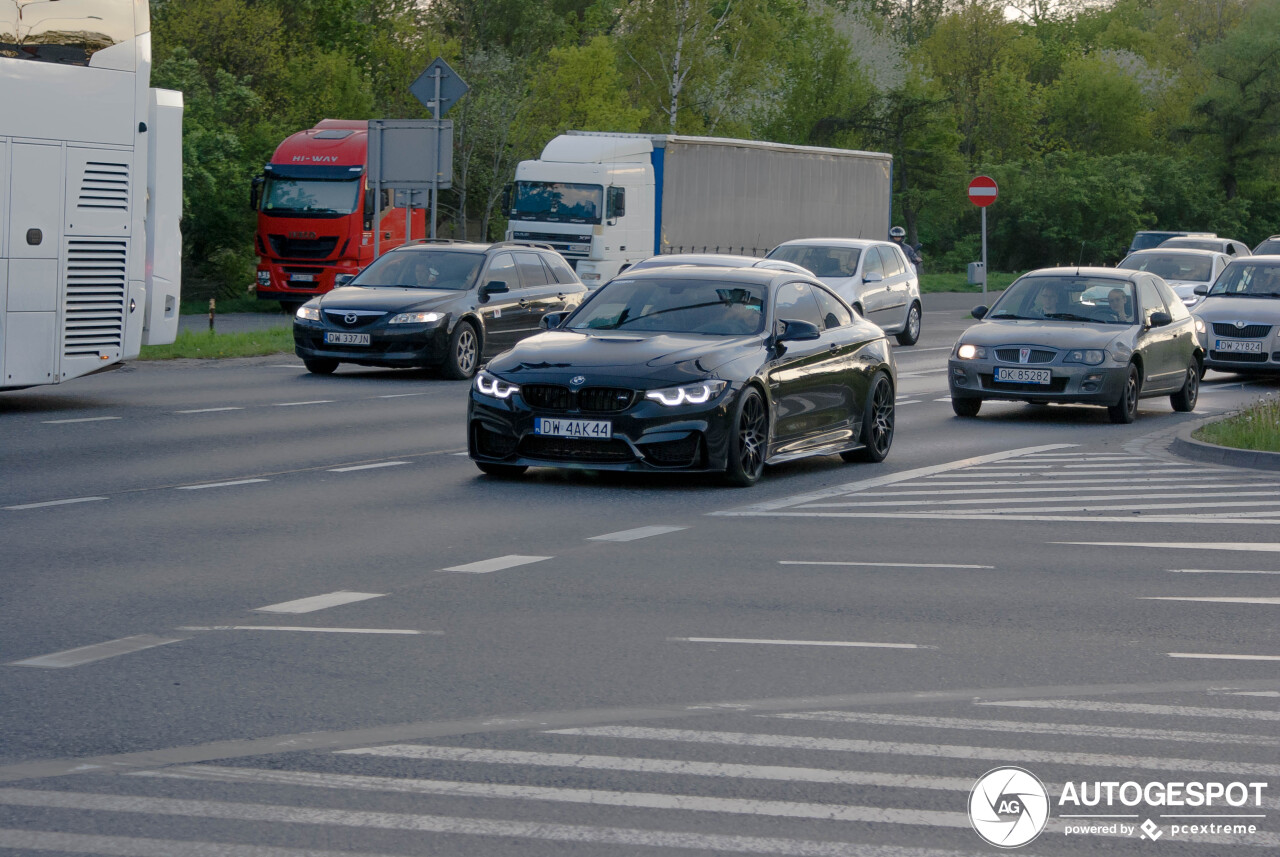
1080, 261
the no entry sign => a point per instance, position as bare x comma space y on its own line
983, 191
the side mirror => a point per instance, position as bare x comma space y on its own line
617, 203
1201, 289
506, 197
255, 191
979, 312
340, 280
493, 287
1160, 319
552, 320
368, 209
794, 330
873, 278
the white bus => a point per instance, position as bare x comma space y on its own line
90, 190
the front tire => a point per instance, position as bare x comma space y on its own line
1126, 410
910, 334
1184, 400
320, 365
749, 440
463, 358
966, 407
877, 422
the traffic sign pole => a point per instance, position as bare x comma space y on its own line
982, 192
984, 251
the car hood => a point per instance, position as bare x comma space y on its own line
385, 298
636, 356
1223, 308
1060, 335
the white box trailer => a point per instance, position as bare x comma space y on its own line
606, 201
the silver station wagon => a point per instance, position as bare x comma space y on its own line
1101, 336
1239, 318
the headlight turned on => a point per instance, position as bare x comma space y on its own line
494, 387
971, 352
308, 313
416, 318
1090, 357
687, 394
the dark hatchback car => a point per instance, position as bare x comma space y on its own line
435, 304
696, 369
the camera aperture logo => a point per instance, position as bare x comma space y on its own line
1008, 807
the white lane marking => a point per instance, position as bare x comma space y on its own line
1117, 465
294, 404
1140, 708
485, 566
888, 501
1210, 599
592, 797
879, 564
367, 466
1044, 488
1128, 482
901, 402
839, 644
81, 420
1122, 507
219, 484
285, 366
663, 766
1260, 547
318, 602
54, 503
400, 395
1218, 571
948, 398
1083, 456
1016, 726
1246, 518
208, 410
246, 812
1268, 693
1206, 656
133, 846
892, 479
637, 533
944, 751
97, 652
305, 629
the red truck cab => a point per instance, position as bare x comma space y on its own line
315, 213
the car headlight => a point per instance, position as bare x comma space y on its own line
308, 313
971, 352
493, 386
1200, 328
416, 318
687, 394
1091, 357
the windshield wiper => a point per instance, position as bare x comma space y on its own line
1068, 316
1010, 315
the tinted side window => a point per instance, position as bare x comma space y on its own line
1150, 298
503, 267
560, 269
532, 271
871, 263
1176, 307
892, 261
795, 301
834, 313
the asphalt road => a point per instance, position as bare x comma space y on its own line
249, 611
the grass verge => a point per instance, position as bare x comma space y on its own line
239, 303
205, 345
932, 283
1257, 428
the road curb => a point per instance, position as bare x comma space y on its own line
1188, 447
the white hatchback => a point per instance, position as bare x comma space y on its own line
873, 276
1182, 269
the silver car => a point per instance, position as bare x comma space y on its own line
1182, 269
873, 276
1099, 336
1239, 319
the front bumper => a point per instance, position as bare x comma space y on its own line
1265, 360
1070, 383
417, 345
646, 436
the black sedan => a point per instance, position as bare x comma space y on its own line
446, 305
698, 369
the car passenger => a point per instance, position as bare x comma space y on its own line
1118, 302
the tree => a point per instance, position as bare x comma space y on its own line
1096, 107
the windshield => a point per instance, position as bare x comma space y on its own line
1250, 280
1268, 247
1147, 240
310, 197
70, 32
822, 261
713, 307
1194, 244
422, 269
1172, 266
1072, 298
558, 202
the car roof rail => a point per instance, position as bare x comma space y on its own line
440, 241
540, 245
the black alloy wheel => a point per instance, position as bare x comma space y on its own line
1126, 410
749, 442
967, 406
910, 334
320, 365
877, 422
464, 352
1184, 401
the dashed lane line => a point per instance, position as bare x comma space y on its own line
831, 643
879, 564
294, 404
318, 602
356, 467
1142, 709
209, 410
1210, 599
1259, 547
1212, 657
80, 420
304, 628
220, 484
48, 503
97, 652
486, 566
637, 533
